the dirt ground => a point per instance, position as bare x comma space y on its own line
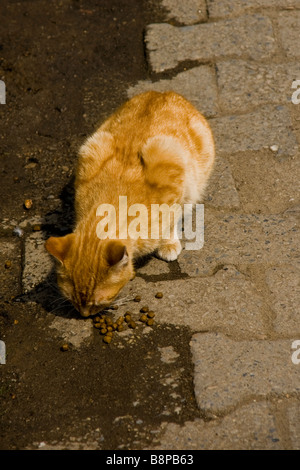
100, 397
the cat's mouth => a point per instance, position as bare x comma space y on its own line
91, 310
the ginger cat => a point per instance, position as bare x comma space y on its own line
157, 148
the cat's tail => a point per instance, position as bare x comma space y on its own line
164, 161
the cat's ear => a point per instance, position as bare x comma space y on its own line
60, 246
116, 254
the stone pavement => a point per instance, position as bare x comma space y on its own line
240, 295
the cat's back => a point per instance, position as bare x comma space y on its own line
149, 114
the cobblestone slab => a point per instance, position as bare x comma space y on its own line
259, 179
187, 12
284, 285
249, 35
198, 85
242, 239
293, 414
271, 126
243, 85
289, 26
221, 191
73, 331
37, 262
228, 372
250, 427
225, 302
224, 8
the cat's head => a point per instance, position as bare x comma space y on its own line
90, 273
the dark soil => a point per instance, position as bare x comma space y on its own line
67, 65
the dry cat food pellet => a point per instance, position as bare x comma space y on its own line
115, 326
110, 333
7, 264
120, 320
151, 314
96, 319
120, 328
137, 298
127, 318
107, 339
64, 347
28, 203
132, 324
159, 295
103, 331
36, 228
143, 318
109, 321
150, 322
144, 309
109, 328
114, 307
98, 325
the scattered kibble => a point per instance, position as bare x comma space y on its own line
7, 264
28, 203
108, 325
144, 309
64, 347
36, 228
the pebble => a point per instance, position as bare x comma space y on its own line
18, 232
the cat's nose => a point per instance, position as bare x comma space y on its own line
84, 311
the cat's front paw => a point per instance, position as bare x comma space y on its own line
169, 250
